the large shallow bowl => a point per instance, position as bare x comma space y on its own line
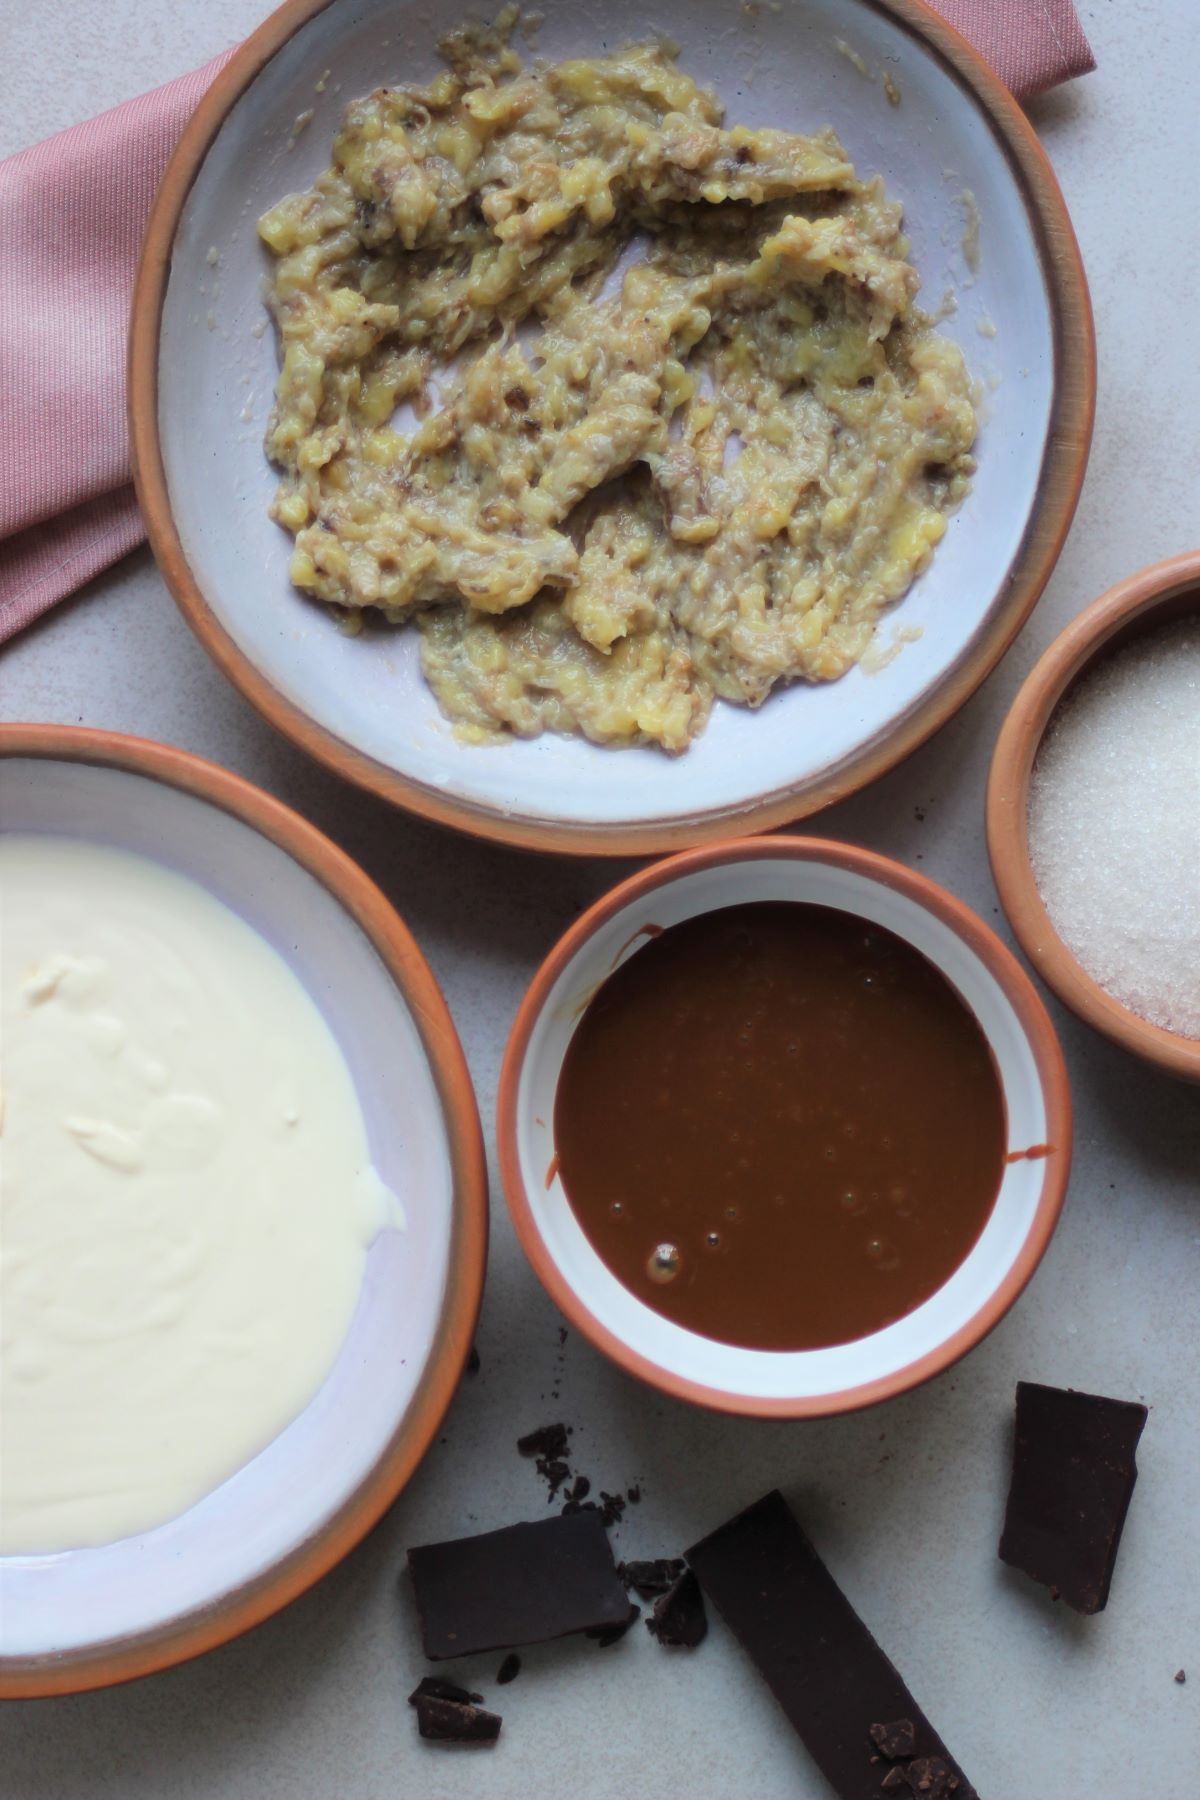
202, 373
1156, 596
804, 1383
84, 1618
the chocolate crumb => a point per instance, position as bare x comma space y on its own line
473, 1362
634, 1494
895, 1740
443, 1690
549, 1441
612, 1634
612, 1507
509, 1669
651, 1577
554, 1471
679, 1619
580, 1488
455, 1722
931, 1777
562, 1336
1181, 1676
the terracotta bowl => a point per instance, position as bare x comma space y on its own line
203, 369
86, 1618
1153, 596
810, 1383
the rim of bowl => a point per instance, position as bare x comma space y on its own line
1064, 462
1000, 963
206, 1627
1088, 635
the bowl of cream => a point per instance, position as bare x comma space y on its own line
243, 1224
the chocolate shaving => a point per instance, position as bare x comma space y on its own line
548, 1440
679, 1619
443, 1690
442, 1721
612, 1507
653, 1576
895, 1740
509, 1669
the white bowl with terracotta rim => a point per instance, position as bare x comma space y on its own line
808, 1383
1154, 596
86, 1618
202, 373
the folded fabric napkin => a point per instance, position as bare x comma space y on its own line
67, 509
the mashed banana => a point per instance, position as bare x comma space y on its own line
709, 482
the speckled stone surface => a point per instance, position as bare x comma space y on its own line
905, 1501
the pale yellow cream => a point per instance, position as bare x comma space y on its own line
186, 1195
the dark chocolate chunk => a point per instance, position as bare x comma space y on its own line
612, 1507
509, 1669
815, 1653
1072, 1479
651, 1577
1181, 1676
455, 1722
579, 1489
554, 1471
548, 1440
442, 1690
679, 1619
932, 1777
517, 1586
895, 1740
634, 1494
612, 1634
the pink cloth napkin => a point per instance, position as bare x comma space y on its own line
72, 212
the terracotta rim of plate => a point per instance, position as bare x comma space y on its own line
1001, 965
1064, 462
1126, 605
122, 1659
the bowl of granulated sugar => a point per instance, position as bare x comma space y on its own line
1093, 815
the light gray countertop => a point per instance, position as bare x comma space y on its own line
905, 1500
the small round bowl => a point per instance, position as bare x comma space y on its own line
1154, 596
807, 1383
202, 371
86, 1618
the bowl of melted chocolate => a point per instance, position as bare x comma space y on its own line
784, 1128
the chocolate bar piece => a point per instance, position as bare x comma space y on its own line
1072, 1479
816, 1655
455, 1721
679, 1618
521, 1585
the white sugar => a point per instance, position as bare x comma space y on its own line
1114, 825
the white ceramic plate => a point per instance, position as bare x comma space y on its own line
86, 1616
361, 703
